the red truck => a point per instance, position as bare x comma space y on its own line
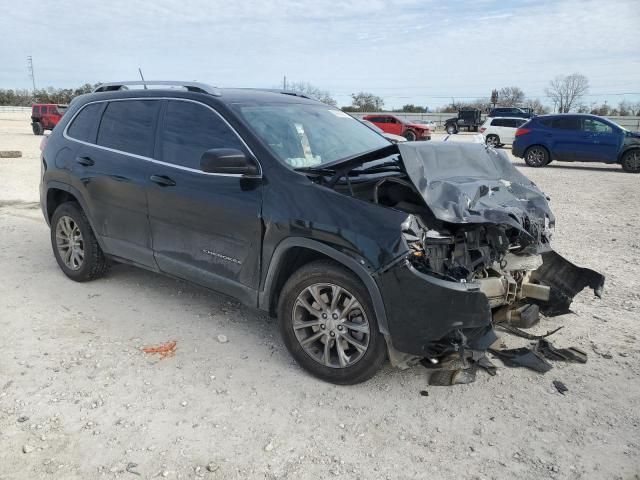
397, 126
45, 116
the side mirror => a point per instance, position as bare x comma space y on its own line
228, 161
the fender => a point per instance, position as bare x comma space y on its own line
627, 149
279, 256
76, 193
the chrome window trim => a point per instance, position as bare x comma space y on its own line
153, 160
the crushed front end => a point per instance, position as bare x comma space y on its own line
478, 255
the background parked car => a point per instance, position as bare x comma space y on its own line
511, 112
429, 123
469, 118
397, 126
45, 116
499, 130
582, 138
389, 136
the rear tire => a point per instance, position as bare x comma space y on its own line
410, 135
37, 128
493, 141
342, 344
75, 246
631, 161
536, 156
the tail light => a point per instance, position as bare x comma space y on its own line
482, 129
43, 142
522, 131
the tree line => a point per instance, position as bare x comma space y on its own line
24, 98
566, 93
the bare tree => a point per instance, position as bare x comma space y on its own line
511, 96
535, 105
311, 90
366, 102
566, 92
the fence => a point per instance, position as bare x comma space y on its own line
10, 109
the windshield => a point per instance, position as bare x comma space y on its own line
306, 135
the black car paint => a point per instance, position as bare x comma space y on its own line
236, 235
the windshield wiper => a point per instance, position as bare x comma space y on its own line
342, 167
383, 167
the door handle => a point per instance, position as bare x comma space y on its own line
86, 161
162, 180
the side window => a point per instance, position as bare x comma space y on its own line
85, 125
189, 130
566, 123
499, 122
128, 126
595, 126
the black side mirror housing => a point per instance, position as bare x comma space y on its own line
228, 161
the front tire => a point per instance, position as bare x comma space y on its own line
631, 161
328, 324
37, 128
410, 135
451, 129
536, 156
74, 244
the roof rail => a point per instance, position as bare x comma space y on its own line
279, 90
190, 86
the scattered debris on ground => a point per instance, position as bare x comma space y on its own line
164, 350
561, 387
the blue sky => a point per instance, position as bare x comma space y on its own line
407, 51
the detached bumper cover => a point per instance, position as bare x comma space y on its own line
422, 310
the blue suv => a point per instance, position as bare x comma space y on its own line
581, 138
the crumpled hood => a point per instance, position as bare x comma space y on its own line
470, 183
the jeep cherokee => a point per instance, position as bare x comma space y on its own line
363, 249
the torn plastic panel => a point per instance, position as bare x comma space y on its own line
565, 281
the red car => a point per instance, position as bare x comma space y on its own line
398, 126
45, 116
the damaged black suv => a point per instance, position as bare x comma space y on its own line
363, 249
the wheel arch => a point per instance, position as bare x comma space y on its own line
59, 193
292, 253
626, 150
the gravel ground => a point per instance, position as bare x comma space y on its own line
79, 399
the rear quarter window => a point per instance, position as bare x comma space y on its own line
84, 126
128, 126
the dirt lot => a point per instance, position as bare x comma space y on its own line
80, 400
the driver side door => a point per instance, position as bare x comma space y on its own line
205, 227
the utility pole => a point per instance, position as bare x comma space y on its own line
284, 83
31, 74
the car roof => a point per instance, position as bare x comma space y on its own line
223, 95
565, 115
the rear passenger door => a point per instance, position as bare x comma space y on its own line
565, 138
205, 227
110, 169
